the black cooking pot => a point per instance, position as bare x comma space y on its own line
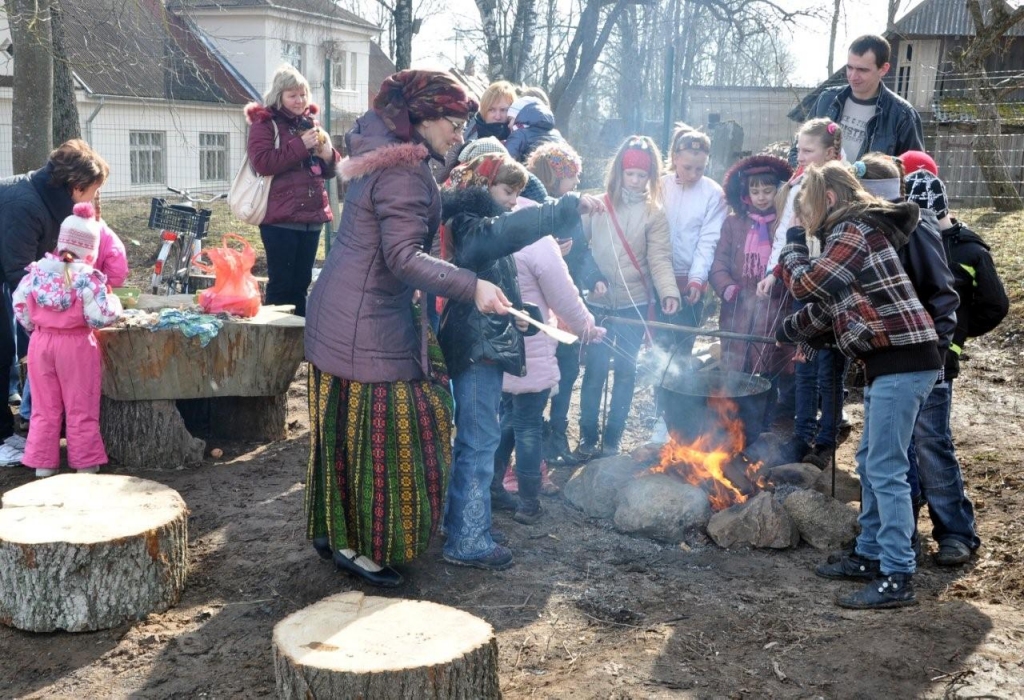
684, 402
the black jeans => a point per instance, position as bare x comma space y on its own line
568, 357
290, 256
522, 426
6, 362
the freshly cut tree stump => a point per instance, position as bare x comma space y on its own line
355, 646
148, 435
83, 552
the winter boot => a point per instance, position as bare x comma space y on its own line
892, 591
511, 481
588, 448
556, 448
529, 509
547, 486
501, 499
612, 440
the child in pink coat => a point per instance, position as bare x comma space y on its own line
60, 301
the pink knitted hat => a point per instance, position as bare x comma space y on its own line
80, 233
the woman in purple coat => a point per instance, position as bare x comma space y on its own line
379, 401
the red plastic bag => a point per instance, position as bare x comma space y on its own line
234, 289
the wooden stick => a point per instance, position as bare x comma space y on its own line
556, 333
675, 328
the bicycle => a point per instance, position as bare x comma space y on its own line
182, 230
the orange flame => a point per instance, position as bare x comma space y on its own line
703, 462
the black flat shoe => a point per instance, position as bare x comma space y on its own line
322, 545
385, 578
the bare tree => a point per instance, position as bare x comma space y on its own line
836, 9
66, 123
33, 83
894, 9
987, 93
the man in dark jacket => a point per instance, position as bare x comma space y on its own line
873, 117
982, 305
32, 207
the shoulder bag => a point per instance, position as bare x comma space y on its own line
250, 191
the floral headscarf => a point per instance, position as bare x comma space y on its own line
412, 96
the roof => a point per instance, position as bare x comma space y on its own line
138, 49
323, 8
944, 18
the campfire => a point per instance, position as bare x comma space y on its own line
714, 461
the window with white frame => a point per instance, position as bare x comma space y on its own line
146, 157
213, 157
291, 52
344, 69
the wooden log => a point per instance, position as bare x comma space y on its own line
248, 357
148, 435
85, 552
355, 646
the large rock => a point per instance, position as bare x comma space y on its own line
759, 522
663, 507
824, 522
594, 488
797, 474
847, 485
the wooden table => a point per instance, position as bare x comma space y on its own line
159, 387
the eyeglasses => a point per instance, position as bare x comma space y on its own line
457, 125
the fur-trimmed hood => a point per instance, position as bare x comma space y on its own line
470, 200
256, 112
737, 177
372, 147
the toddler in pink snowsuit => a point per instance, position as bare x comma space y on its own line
60, 301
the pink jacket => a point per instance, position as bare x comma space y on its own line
112, 260
544, 280
44, 299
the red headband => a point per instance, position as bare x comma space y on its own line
636, 158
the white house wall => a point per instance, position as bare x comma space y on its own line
180, 122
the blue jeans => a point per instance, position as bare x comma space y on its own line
891, 405
25, 410
816, 382
568, 357
290, 257
522, 427
933, 458
626, 341
477, 393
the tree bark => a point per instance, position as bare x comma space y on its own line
496, 68
355, 646
403, 34
82, 552
832, 35
148, 435
66, 122
32, 108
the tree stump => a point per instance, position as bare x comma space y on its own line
148, 435
355, 646
81, 552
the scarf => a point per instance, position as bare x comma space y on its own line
758, 246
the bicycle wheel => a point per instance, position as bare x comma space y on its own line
177, 267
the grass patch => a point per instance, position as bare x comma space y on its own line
130, 219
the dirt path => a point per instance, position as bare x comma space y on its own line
585, 612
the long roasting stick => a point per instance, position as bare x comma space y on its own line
690, 330
556, 333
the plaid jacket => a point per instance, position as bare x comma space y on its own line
858, 290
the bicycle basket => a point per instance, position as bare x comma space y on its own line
179, 217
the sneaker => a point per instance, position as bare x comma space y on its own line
88, 470
556, 449
586, 451
498, 559
547, 486
892, 591
952, 553
820, 456
528, 513
849, 566
43, 473
14, 399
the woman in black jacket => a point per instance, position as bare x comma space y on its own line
32, 207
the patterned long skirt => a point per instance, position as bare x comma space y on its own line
378, 464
